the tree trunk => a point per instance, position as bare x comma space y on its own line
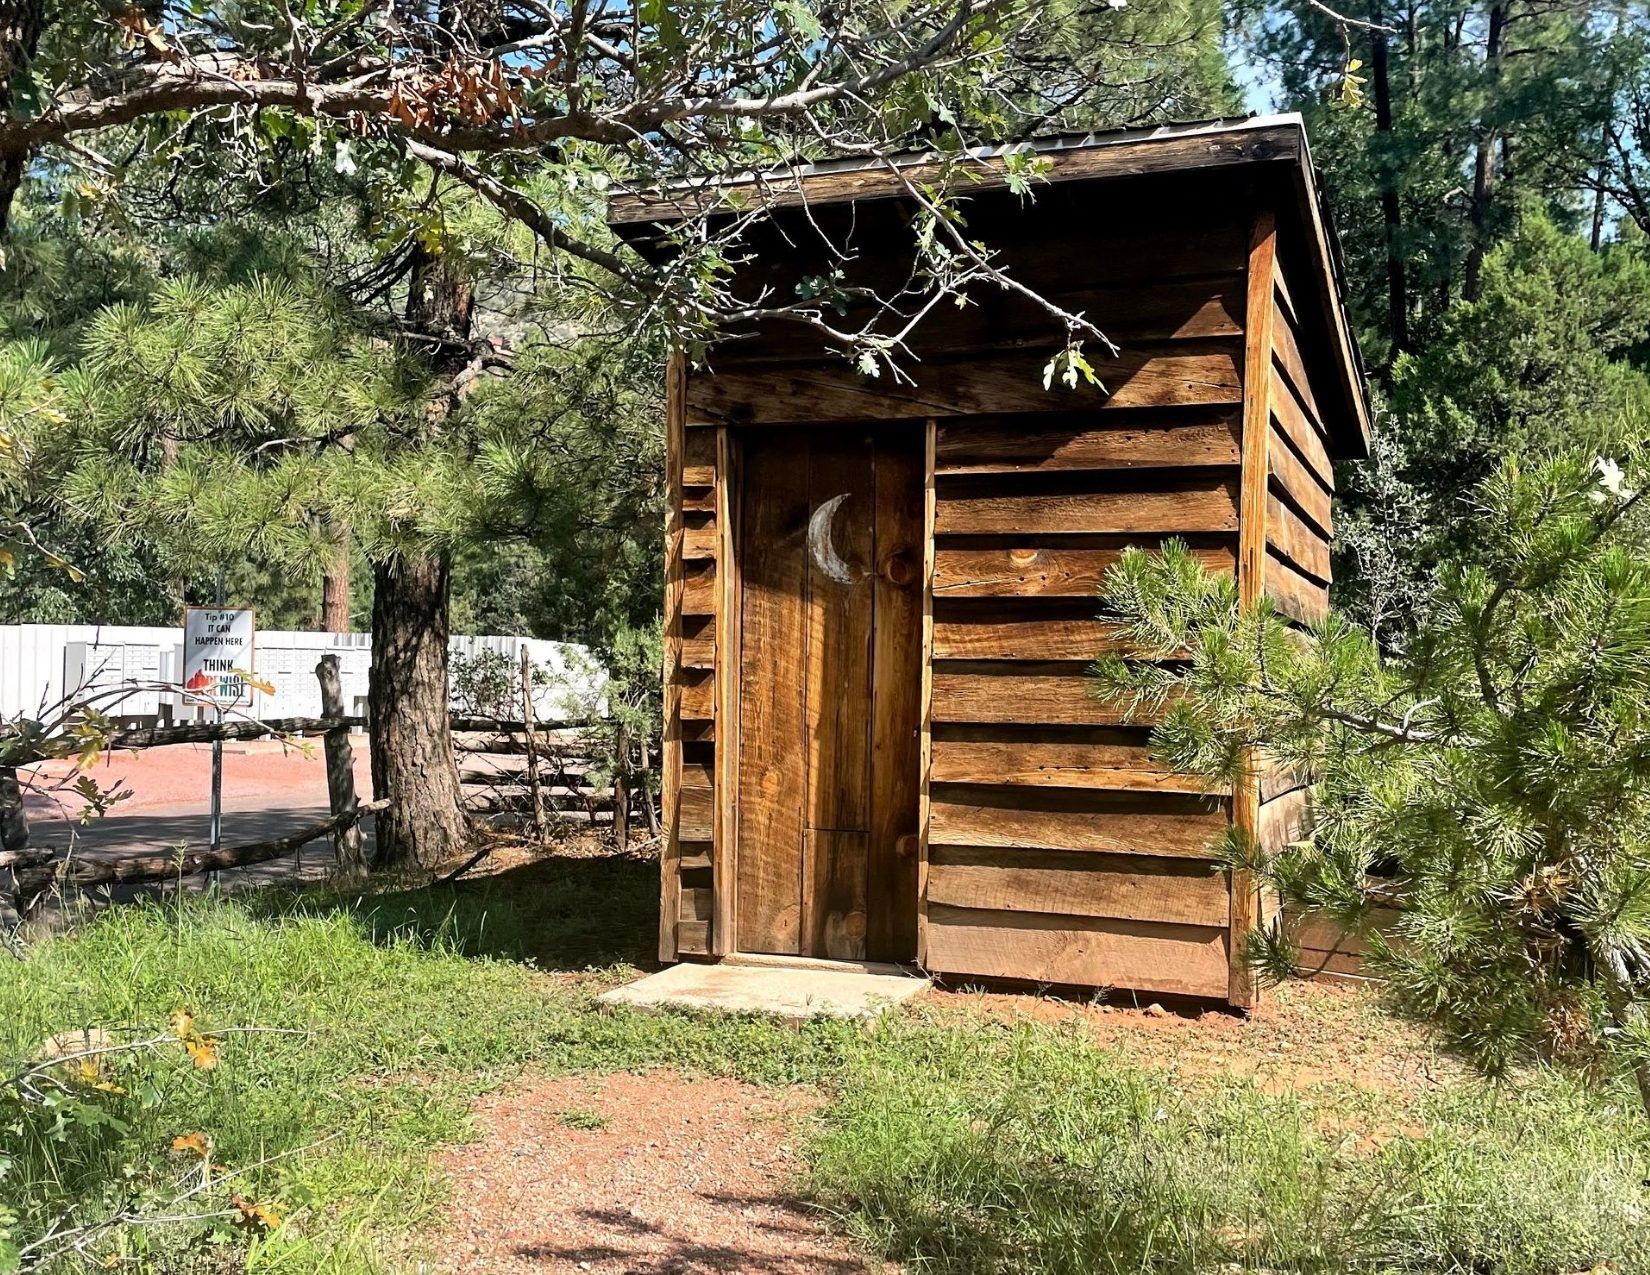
1626, 1011
1397, 286
21, 22
335, 598
1483, 169
412, 747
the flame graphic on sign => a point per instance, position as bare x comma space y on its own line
199, 682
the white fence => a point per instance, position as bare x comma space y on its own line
42, 663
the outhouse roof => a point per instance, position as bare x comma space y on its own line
1275, 143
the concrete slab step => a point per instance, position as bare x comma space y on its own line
784, 991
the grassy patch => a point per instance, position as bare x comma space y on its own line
1028, 1148
952, 1141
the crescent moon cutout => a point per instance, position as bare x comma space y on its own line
819, 541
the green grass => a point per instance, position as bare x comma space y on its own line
951, 1141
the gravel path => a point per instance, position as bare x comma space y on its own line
640, 1175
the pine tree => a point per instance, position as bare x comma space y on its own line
1497, 768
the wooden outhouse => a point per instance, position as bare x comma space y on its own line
880, 738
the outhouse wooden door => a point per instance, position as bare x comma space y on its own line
830, 564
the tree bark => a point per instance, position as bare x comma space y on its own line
21, 23
335, 596
1626, 1011
412, 748
1380, 74
1483, 169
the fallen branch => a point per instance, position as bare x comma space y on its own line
79, 873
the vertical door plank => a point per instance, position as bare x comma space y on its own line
841, 498
1259, 326
670, 892
724, 936
774, 638
925, 708
896, 696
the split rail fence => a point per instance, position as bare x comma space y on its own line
538, 774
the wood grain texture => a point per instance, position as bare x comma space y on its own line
772, 770
1033, 694
1286, 350
1303, 435
1051, 569
693, 938
1298, 485
670, 760
1039, 764
698, 694
836, 687
724, 934
1034, 632
1302, 600
1132, 157
925, 712
1180, 960
1301, 545
1259, 330
698, 816
896, 707
1140, 376
1192, 505
699, 458
1052, 819
699, 594
1020, 445
1131, 887
1165, 308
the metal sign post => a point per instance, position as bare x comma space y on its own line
217, 665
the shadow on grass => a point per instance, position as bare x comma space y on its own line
562, 912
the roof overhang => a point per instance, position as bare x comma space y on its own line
1272, 141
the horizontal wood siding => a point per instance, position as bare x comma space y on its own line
1060, 849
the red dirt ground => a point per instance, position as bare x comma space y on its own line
256, 776
684, 1178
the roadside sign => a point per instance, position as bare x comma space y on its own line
217, 654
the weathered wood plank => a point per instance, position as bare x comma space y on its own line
1020, 444
1113, 767
836, 687
1128, 887
699, 588
693, 937
1140, 376
699, 543
896, 696
925, 712
1163, 308
1302, 434
698, 458
969, 633
1194, 505
670, 747
697, 822
1299, 485
1180, 960
1033, 694
1052, 819
1289, 535
1050, 570
1259, 333
1284, 819
1286, 350
698, 641
698, 695
1122, 157
726, 630
772, 766
1302, 600
698, 904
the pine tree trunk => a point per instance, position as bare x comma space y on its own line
1397, 285
412, 747
1483, 170
21, 23
1626, 1011
335, 596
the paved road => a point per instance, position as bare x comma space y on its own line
268, 792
